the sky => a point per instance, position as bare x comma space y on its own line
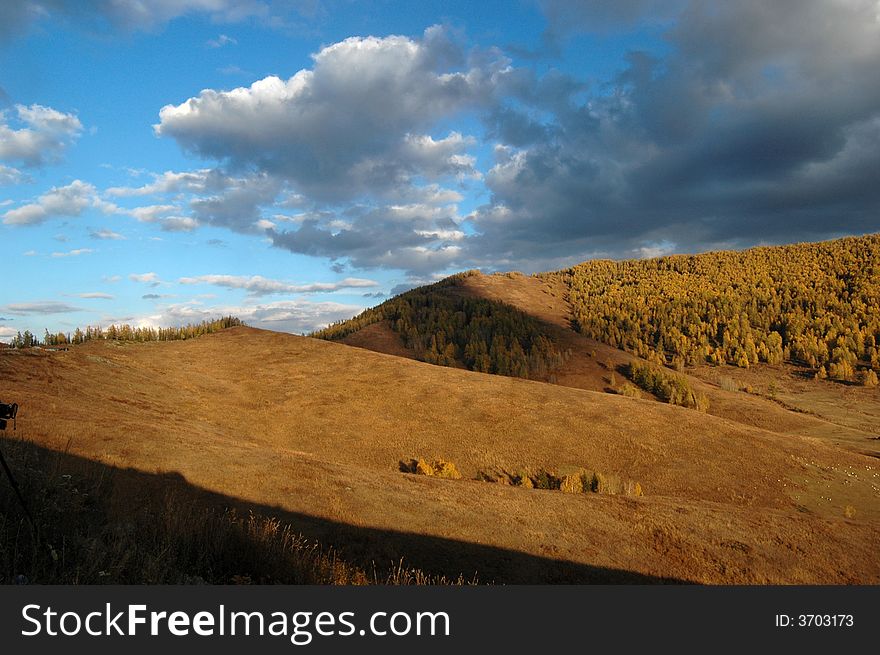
291, 163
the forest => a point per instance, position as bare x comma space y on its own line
450, 329
123, 333
816, 305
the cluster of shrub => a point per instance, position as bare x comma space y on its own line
438, 468
582, 481
443, 326
124, 333
669, 387
816, 305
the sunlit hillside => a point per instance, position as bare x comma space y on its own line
553, 483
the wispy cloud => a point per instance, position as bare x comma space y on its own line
220, 41
73, 253
151, 279
259, 286
39, 307
107, 234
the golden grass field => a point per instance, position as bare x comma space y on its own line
315, 432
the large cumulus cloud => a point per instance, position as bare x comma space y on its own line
756, 122
354, 139
352, 124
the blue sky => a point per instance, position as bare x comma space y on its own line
165, 161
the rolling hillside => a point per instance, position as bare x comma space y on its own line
811, 378
319, 434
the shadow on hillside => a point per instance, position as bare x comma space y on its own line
67, 494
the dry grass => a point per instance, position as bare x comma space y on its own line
317, 429
82, 537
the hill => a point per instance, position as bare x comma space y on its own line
814, 304
781, 338
320, 434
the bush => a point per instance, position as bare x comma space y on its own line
446, 470
631, 488
545, 480
423, 468
571, 484
629, 390
439, 468
583, 481
598, 483
672, 388
728, 384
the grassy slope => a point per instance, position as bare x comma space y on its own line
318, 429
782, 400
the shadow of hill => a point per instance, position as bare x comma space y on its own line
109, 524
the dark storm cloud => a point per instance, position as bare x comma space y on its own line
15, 15
237, 203
402, 288
761, 124
417, 239
568, 17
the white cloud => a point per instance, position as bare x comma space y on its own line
168, 182
436, 158
179, 224
146, 278
296, 316
70, 200
107, 234
344, 127
655, 250
73, 253
446, 235
96, 295
38, 307
10, 176
232, 69
259, 286
221, 41
214, 197
43, 137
